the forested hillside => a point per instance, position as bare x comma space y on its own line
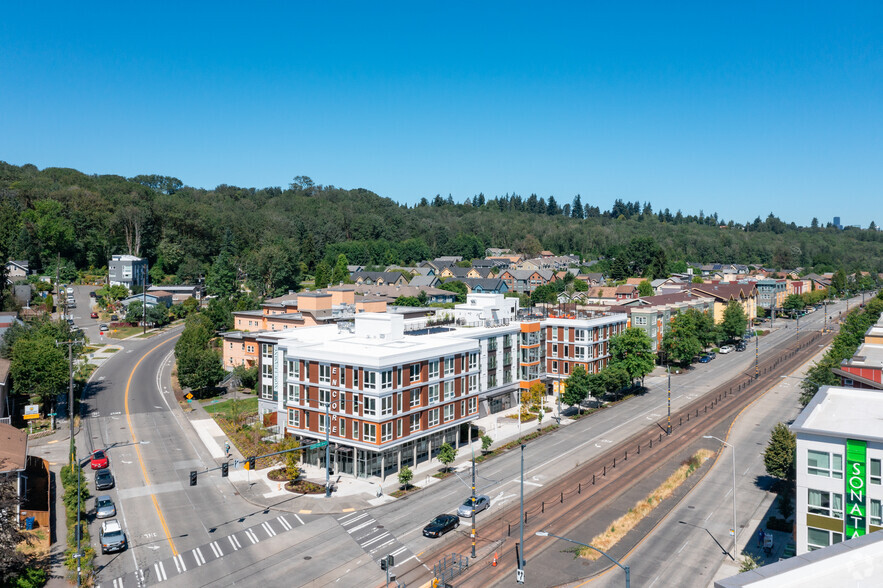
274, 234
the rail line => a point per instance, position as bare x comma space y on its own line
591, 486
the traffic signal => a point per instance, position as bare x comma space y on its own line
193, 478
225, 470
249, 465
383, 564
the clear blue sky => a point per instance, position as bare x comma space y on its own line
739, 108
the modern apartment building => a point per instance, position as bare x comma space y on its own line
390, 391
865, 368
127, 270
839, 478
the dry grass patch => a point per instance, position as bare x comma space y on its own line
630, 520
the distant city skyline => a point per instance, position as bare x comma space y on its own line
740, 110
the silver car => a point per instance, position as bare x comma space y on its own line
104, 507
482, 502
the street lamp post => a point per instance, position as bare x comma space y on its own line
625, 568
735, 529
668, 369
756, 368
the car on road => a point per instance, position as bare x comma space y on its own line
482, 502
705, 358
102, 327
93, 315
98, 461
103, 479
741, 346
104, 507
112, 536
726, 349
441, 525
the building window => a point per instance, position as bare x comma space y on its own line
356, 378
267, 371
473, 405
306, 419
398, 377
433, 369
433, 417
824, 503
555, 349
449, 412
355, 429
294, 393
473, 383
386, 380
355, 404
415, 397
554, 367
415, 372
371, 380
324, 373
324, 397
267, 391
399, 427
579, 335
321, 423
415, 422
449, 389
343, 427
267, 351
492, 380
819, 538
386, 432
821, 463
386, 406
370, 408
399, 403
875, 472
579, 353
433, 394
294, 370
473, 361
250, 348
875, 516
449, 366
369, 433
293, 417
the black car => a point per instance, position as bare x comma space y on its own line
441, 525
103, 479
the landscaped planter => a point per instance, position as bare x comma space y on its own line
305, 487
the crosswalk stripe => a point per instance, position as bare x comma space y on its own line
300, 520
216, 549
383, 545
234, 542
353, 520
398, 551
284, 523
251, 536
268, 529
179, 563
162, 570
352, 514
141, 576
375, 540
362, 526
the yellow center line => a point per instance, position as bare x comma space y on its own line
162, 519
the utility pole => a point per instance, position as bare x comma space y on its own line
520, 573
668, 369
70, 392
144, 300
756, 368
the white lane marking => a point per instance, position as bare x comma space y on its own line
216, 549
268, 529
682, 546
352, 514
351, 521
179, 563
234, 543
284, 523
526, 482
251, 536
300, 520
141, 576
383, 545
375, 540
197, 555
363, 525
398, 551
162, 570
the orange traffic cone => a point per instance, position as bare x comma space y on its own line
494, 563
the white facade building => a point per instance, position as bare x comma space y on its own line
839, 453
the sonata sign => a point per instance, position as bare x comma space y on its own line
856, 486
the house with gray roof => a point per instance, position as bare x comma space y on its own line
379, 278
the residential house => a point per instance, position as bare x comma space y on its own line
554, 263
865, 368
391, 292
180, 292
592, 279
379, 278
485, 285
507, 261
496, 252
150, 299
127, 270
652, 314
425, 281
668, 285
818, 282
526, 281
838, 465
14, 459
456, 273
16, 270
745, 294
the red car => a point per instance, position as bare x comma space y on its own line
99, 460
93, 315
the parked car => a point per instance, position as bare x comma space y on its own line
93, 315
114, 318
482, 502
726, 349
741, 346
104, 507
92, 294
102, 327
112, 536
705, 358
99, 460
441, 525
104, 479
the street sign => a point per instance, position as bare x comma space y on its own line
519, 576
32, 411
188, 396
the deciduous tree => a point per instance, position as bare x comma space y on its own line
632, 350
734, 321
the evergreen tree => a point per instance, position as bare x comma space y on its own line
323, 274
780, 454
340, 275
576, 210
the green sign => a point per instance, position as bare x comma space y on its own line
856, 486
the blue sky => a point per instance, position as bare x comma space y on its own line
741, 109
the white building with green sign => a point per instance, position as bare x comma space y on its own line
839, 451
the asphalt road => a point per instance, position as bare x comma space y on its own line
152, 449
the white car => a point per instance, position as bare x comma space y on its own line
727, 349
